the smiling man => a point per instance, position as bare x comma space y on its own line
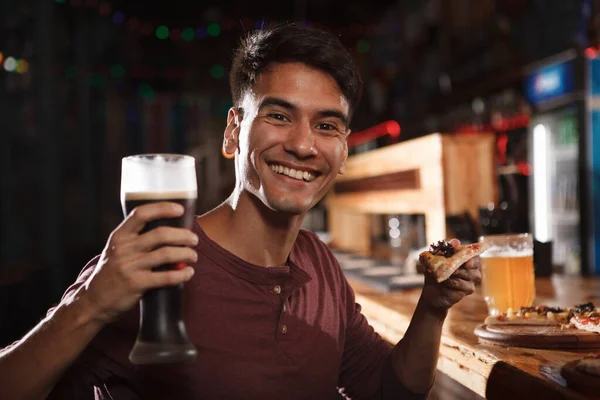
268, 306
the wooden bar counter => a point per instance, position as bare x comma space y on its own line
493, 372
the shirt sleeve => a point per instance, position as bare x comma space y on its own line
367, 371
100, 366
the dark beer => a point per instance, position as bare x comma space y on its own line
186, 199
162, 336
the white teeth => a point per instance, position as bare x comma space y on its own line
292, 173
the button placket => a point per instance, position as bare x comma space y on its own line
283, 326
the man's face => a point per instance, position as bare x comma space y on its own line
292, 138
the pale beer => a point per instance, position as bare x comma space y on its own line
508, 282
508, 278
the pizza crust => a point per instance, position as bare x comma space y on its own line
443, 267
590, 327
522, 321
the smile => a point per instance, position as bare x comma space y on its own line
293, 173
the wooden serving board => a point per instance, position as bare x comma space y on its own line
580, 381
537, 337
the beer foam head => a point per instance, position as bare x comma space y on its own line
159, 174
508, 245
506, 253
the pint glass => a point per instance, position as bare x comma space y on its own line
508, 279
151, 178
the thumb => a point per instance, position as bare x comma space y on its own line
454, 242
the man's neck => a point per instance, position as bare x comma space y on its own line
243, 226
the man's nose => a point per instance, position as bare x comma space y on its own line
301, 141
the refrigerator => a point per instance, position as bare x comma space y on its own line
564, 194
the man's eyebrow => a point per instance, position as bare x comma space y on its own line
335, 114
276, 101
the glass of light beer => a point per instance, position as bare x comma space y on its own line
508, 279
151, 178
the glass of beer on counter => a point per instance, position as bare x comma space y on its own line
151, 178
508, 279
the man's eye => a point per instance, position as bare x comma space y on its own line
279, 117
327, 127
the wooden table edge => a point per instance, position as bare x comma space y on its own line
456, 358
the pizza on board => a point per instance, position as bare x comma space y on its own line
539, 315
585, 317
443, 259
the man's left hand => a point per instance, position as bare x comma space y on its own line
443, 295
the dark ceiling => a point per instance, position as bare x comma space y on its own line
329, 12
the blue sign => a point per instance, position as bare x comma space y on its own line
550, 82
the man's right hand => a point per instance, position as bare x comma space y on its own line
124, 270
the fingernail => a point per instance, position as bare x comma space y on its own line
178, 208
192, 272
196, 239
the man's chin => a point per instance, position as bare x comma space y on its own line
290, 208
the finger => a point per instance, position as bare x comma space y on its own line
166, 255
461, 273
461, 285
473, 263
140, 216
154, 279
454, 242
165, 235
476, 276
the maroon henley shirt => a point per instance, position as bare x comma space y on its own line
282, 332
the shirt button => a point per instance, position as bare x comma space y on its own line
284, 307
284, 329
277, 289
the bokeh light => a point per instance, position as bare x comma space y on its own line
10, 64
118, 18
162, 32
214, 29
117, 71
188, 34
217, 71
362, 46
22, 66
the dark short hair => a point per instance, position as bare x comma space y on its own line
294, 43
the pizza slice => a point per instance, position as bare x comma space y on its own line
538, 315
586, 317
443, 259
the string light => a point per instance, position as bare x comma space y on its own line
162, 32
188, 34
10, 64
13, 64
22, 66
217, 71
215, 29
117, 71
362, 46
105, 9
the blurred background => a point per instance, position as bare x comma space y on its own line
85, 82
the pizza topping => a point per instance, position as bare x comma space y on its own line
586, 307
442, 247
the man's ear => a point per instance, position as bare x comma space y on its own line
232, 132
345, 155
